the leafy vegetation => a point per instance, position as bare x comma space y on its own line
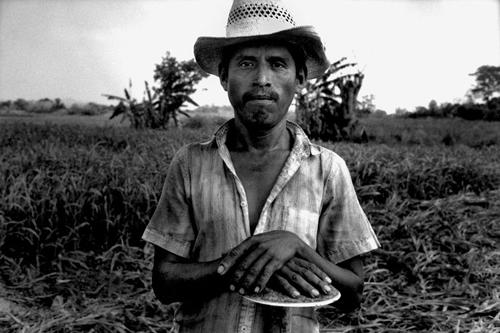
75, 200
487, 82
482, 101
44, 105
326, 106
88, 109
177, 80
47, 106
431, 132
489, 111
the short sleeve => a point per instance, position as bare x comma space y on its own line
344, 230
171, 226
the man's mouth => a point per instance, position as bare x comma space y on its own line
260, 99
271, 96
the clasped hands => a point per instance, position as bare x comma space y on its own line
280, 255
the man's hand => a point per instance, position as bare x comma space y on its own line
253, 262
299, 276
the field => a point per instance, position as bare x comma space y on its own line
76, 196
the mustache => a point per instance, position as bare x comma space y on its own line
261, 94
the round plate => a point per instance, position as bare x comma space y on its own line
275, 298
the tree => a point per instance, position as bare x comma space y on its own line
401, 112
379, 113
366, 105
58, 104
325, 106
433, 107
21, 104
5, 105
177, 81
487, 82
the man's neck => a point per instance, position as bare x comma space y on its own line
244, 140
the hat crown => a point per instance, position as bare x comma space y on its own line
258, 17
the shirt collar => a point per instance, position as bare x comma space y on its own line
302, 145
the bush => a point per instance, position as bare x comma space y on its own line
21, 104
468, 111
42, 106
89, 109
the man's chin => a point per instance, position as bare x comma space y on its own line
260, 123
259, 116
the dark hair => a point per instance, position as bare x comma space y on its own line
295, 50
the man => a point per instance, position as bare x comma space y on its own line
259, 202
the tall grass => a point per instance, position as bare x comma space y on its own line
79, 189
432, 131
75, 201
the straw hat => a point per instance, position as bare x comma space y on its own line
262, 20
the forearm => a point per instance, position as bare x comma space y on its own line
185, 281
346, 281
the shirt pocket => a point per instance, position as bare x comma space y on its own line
302, 222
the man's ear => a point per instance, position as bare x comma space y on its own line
223, 77
223, 82
301, 78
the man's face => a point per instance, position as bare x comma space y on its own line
261, 81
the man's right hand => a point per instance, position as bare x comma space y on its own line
251, 264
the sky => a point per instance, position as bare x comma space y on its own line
410, 51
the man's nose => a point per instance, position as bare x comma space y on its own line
262, 76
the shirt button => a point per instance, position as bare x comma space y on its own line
243, 204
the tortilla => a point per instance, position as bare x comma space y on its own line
275, 298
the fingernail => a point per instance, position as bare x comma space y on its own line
315, 292
295, 294
256, 290
220, 269
242, 291
327, 289
232, 288
327, 279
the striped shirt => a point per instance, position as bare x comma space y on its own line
203, 213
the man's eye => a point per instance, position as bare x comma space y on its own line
279, 65
246, 64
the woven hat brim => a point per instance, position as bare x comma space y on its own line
208, 50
